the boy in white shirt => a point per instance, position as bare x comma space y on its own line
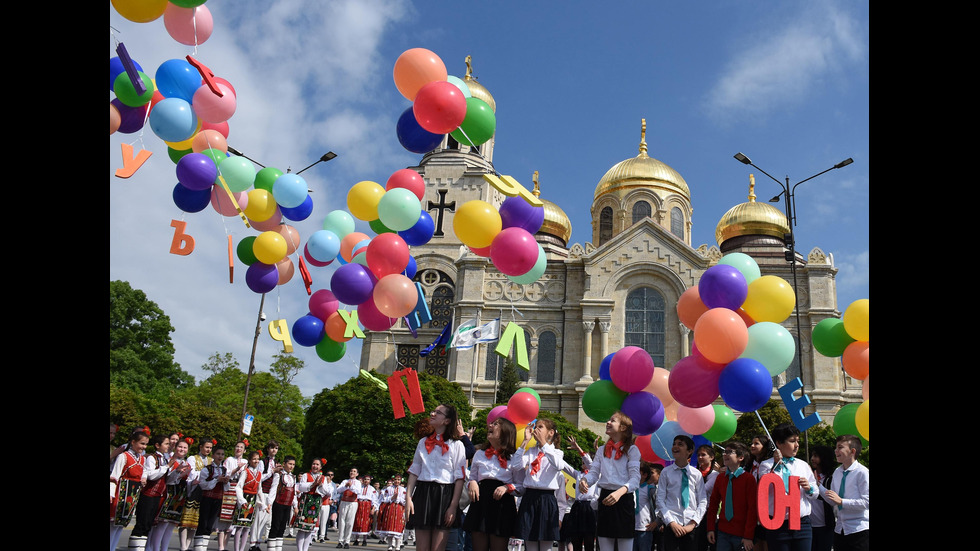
850, 494
784, 462
681, 501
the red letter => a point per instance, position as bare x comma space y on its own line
412, 395
183, 244
781, 501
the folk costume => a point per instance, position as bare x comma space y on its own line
151, 499
311, 490
367, 505
191, 514
125, 483
282, 497
330, 488
248, 497
346, 495
260, 525
391, 522
171, 508
212, 492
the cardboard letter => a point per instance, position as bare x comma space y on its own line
130, 163
280, 332
412, 395
514, 334
795, 407
183, 244
781, 501
512, 188
421, 314
352, 330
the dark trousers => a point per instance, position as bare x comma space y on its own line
280, 518
687, 542
784, 539
858, 541
210, 509
146, 512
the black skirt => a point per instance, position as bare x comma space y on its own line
430, 500
616, 521
492, 516
537, 518
579, 522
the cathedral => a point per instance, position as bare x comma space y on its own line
621, 289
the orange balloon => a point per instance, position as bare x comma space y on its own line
115, 119
335, 326
855, 360
749, 322
395, 296
291, 235
348, 243
720, 335
670, 411
415, 68
690, 307
658, 386
286, 270
209, 139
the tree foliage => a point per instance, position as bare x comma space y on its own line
509, 382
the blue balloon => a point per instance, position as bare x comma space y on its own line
745, 384
412, 268
413, 137
116, 68
173, 120
299, 213
323, 245
191, 200
290, 190
176, 78
308, 330
604, 368
421, 232
662, 439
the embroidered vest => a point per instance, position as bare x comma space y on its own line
219, 489
158, 487
284, 493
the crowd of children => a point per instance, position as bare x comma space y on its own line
498, 496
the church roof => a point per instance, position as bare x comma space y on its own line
477, 90
556, 222
641, 171
751, 218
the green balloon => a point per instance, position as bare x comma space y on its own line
330, 350
724, 426
744, 264
379, 228
844, 422
771, 345
244, 251
215, 155
479, 123
187, 3
830, 338
265, 177
238, 172
532, 392
601, 399
126, 92
175, 155
536, 271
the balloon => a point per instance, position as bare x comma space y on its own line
670, 411
291, 236
439, 107
745, 384
845, 422
191, 200
261, 278
363, 199
856, 359
323, 303
415, 68
658, 385
269, 224
631, 369
724, 425
692, 384
721, 335
478, 124
662, 440
245, 252
221, 127
183, 144
459, 83
515, 212
722, 286
744, 264
696, 420
329, 350
399, 209
866, 388
522, 408
749, 322
290, 190
408, 179
690, 307
189, 26
347, 244
238, 172
395, 296
308, 330
496, 413
856, 318
196, 171
387, 254
413, 137
482, 251
299, 213
130, 118
323, 245
261, 205
115, 119
177, 78
769, 298
339, 222
830, 338
312, 261
645, 410
514, 251
126, 92
140, 11
601, 399
372, 319
116, 67
173, 120
531, 391
421, 232
646, 452
771, 345
269, 247
335, 326
536, 271
266, 178
213, 108
862, 420
209, 139
476, 224
352, 284
286, 269
604, 367
411, 269
174, 154
216, 155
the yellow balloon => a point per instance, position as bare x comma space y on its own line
476, 223
520, 438
856, 318
261, 205
269, 247
363, 199
770, 298
861, 419
140, 11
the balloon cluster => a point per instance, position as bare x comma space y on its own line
441, 104
522, 408
506, 236
848, 338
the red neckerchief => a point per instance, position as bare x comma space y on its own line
536, 464
433, 441
491, 451
617, 446
706, 472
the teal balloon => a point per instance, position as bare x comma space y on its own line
478, 125
399, 209
238, 172
744, 264
724, 426
536, 271
340, 222
330, 350
532, 392
662, 439
830, 338
458, 82
601, 399
771, 345
845, 423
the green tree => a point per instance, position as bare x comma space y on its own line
141, 354
509, 382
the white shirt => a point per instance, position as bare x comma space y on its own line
444, 468
646, 496
234, 466
579, 476
669, 505
855, 512
612, 473
351, 484
798, 468
552, 463
483, 467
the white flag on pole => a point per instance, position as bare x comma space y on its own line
469, 334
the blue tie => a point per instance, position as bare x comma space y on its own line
685, 488
785, 470
729, 507
841, 493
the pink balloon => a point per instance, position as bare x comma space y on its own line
408, 179
323, 303
209, 107
658, 386
395, 295
514, 251
439, 107
189, 26
222, 204
631, 369
499, 411
721, 335
372, 319
696, 420
692, 384
522, 408
221, 127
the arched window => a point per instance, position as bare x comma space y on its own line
641, 210
605, 224
547, 352
677, 222
645, 313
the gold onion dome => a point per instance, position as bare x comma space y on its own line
556, 222
477, 90
642, 171
751, 218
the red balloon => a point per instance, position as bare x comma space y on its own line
408, 179
646, 450
484, 251
522, 408
439, 107
387, 254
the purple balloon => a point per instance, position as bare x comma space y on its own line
353, 284
745, 384
262, 278
131, 119
515, 212
196, 171
692, 383
645, 410
723, 286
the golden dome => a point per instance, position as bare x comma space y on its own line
556, 222
477, 89
641, 171
751, 218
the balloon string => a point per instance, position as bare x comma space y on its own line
478, 152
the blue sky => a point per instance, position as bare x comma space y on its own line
786, 83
